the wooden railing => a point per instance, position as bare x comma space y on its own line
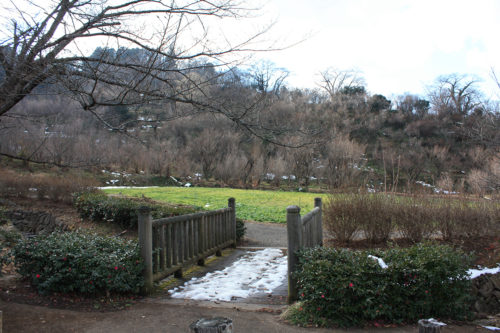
303, 232
169, 244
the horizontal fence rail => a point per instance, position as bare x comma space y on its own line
303, 232
169, 244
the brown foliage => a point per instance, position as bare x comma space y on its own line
413, 218
54, 187
342, 217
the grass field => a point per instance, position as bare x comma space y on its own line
253, 205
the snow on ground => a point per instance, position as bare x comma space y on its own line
474, 273
435, 322
492, 328
256, 272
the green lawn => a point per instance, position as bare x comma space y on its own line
253, 205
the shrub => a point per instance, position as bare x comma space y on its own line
79, 262
377, 220
58, 188
445, 216
476, 219
9, 237
347, 288
459, 218
98, 207
240, 229
414, 218
341, 217
348, 214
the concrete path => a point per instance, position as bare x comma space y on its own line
265, 235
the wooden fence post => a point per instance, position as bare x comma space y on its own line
294, 231
319, 220
231, 203
146, 245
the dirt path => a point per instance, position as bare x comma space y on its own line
165, 318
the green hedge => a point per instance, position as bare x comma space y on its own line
241, 229
340, 287
79, 262
97, 206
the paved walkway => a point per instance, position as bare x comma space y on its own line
265, 235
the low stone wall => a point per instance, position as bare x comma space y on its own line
486, 292
35, 222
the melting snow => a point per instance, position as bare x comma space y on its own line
381, 262
474, 273
256, 272
492, 328
434, 321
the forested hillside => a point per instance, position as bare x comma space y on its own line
254, 129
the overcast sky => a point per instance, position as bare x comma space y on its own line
400, 45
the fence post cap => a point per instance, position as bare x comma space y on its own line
293, 209
231, 200
144, 210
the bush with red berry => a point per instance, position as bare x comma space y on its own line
80, 262
342, 287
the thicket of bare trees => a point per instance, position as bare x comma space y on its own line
367, 141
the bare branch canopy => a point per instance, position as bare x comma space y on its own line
148, 51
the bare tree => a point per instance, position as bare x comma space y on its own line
267, 78
454, 94
495, 78
164, 51
333, 81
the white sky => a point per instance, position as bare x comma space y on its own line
399, 45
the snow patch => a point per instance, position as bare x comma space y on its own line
256, 272
381, 261
435, 322
491, 328
474, 273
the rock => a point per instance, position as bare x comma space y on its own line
495, 279
212, 325
486, 288
35, 222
